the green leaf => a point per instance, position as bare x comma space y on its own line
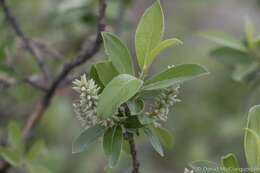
36, 150
11, 156
144, 119
135, 106
230, 163
154, 140
230, 56
16, 136
205, 167
118, 91
225, 40
106, 71
244, 72
149, 32
174, 75
255, 140
118, 53
94, 75
165, 137
251, 140
126, 148
158, 49
257, 41
149, 94
112, 144
132, 122
87, 137
36, 168
249, 31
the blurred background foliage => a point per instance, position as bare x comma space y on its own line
207, 124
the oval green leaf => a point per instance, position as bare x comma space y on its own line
112, 144
106, 71
230, 56
15, 134
158, 49
37, 168
149, 32
15, 137
252, 144
225, 40
118, 91
94, 75
36, 150
87, 137
136, 106
174, 75
230, 163
154, 140
244, 72
11, 156
118, 53
165, 137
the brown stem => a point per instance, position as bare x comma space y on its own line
133, 152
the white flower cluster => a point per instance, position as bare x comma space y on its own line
86, 106
160, 109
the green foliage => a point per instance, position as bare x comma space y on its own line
87, 137
118, 53
158, 49
16, 155
118, 91
106, 71
242, 55
252, 140
229, 56
225, 40
230, 163
35, 151
112, 143
94, 75
249, 32
124, 96
251, 146
174, 75
149, 32
35, 168
16, 137
136, 106
154, 140
11, 156
165, 136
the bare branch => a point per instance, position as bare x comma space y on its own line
35, 84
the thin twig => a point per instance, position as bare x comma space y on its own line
28, 43
35, 84
81, 59
84, 55
135, 162
6, 81
34, 81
